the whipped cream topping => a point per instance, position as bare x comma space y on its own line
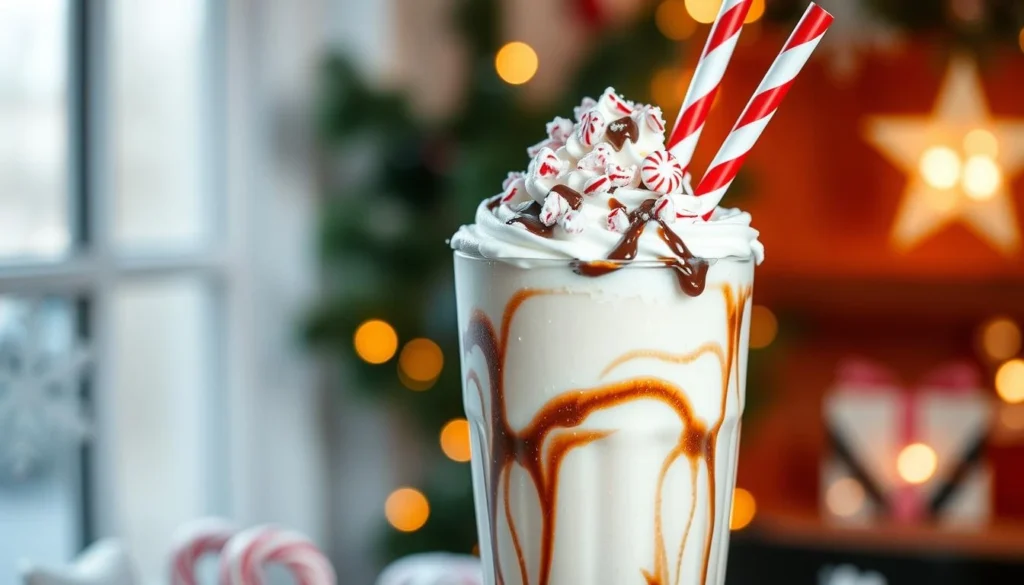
579, 197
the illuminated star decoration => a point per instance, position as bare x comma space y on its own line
960, 162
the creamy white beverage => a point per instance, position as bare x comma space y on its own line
604, 343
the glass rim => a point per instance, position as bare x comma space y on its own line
521, 262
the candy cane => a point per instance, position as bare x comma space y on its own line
725, 33
246, 554
762, 106
192, 541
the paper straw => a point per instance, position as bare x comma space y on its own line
762, 106
722, 39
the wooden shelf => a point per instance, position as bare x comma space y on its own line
952, 300
807, 530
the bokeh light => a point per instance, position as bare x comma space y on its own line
845, 497
942, 199
756, 11
674, 21
940, 167
764, 326
420, 363
982, 177
407, 509
703, 11
1000, 338
668, 87
981, 141
455, 440
1020, 39
1011, 417
917, 463
744, 507
375, 341
1010, 381
516, 63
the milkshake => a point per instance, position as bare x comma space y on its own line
603, 311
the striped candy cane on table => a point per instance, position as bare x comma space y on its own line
762, 106
707, 78
192, 541
248, 552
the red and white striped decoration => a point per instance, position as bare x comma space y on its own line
193, 541
661, 172
247, 553
762, 106
707, 78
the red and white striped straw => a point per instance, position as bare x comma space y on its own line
722, 39
762, 106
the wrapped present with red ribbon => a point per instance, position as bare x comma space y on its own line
908, 453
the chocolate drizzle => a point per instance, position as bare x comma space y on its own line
620, 130
571, 196
529, 218
691, 271
569, 410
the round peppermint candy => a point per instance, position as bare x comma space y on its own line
661, 172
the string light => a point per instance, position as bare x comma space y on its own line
1000, 338
516, 63
981, 141
744, 507
407, 509
940, 167
375, 341
420, 364
981, 177
455, 440
845, 497
703, 11
763, 327
917, 463
1010, 381
673, 21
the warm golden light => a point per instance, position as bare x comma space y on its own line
845, 497
668, 87
982, 177
1010, 381
981, 141
1020, 39
455, 440
942, 199
673, 21
703, 11
421, 360
1000, 338
375, 341
743, 509
917, 463
940, 167
1011, 417
763, 327
407, 509
516, 63
756, 11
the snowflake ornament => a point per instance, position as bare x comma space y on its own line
39, 395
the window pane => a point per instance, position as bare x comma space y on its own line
157, 104
163, 401
40, 425
34, 136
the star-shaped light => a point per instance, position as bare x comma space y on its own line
960, 161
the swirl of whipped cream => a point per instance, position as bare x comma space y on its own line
573, 200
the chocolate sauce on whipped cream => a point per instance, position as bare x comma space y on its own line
529, 218
621, 130
541, 446
691, 271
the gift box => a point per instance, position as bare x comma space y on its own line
906, 452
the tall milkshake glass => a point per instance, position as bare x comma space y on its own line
605, 418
